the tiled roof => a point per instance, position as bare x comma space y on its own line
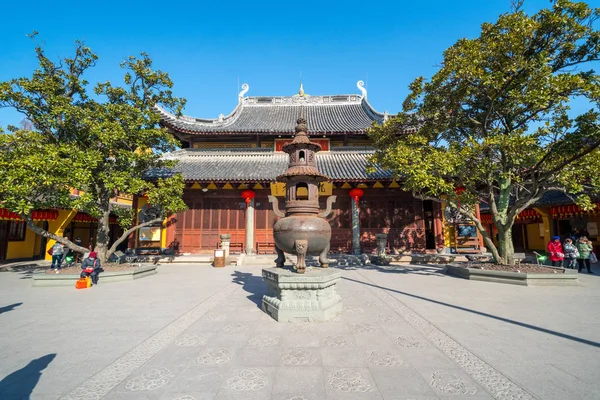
339, 164
337, 114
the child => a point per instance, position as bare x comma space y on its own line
571, 254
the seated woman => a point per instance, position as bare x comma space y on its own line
91, 267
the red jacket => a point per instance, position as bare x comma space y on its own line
553, 249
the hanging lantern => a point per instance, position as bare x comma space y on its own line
356, 194
248, 195
459, 190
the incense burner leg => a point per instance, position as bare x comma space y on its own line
323, 260
301, 248
280, 260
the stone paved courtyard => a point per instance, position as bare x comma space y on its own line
194, 332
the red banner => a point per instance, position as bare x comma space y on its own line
37, 215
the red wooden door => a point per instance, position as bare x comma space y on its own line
340, 220
398, 214
3, 239
264, 219
198, 228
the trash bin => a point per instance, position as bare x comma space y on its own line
219, 261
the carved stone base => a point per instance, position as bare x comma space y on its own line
308, 297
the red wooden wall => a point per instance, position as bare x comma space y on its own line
388, 211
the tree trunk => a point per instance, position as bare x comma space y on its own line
103, 236
44, 233
505, 246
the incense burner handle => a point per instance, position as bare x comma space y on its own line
273, 200
330, 201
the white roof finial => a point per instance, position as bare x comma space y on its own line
361, 86
245, 88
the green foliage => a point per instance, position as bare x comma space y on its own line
495, 117
102, 143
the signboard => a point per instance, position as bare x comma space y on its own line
278, 189
149, 234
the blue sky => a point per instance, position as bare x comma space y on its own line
207, 46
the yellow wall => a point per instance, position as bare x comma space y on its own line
58, 227
22, 249
534, 240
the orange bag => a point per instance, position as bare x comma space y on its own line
81, 284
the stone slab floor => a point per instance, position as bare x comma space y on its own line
194, 332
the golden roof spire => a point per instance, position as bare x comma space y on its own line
301, 92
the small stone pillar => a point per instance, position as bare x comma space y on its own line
355, 229
250, 227
225, 242
381, 239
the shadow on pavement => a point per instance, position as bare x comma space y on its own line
20, 384
510, 321
418, 269
9, 307
251, 284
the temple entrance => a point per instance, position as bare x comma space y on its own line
197, 229
429, 225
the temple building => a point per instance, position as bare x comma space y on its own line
230, 164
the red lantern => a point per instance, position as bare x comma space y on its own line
459, 190
248, 195
356, 194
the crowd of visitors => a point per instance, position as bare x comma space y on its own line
575, 250
90, 264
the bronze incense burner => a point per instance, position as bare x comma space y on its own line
302, 230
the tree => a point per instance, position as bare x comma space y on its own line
101, 143
493, 124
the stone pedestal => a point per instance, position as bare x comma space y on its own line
294, 297
381, 239
225, 242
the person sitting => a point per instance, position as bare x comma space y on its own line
91, 267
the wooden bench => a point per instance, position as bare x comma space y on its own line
234, 247
265, 248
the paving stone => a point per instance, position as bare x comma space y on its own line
350, 383
248, 383
305, 380
258, 356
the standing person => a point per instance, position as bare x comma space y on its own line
571, 253
574, 234
556, 251
91, 267
78, 255
58, 251
585, 250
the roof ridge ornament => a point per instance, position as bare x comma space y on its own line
361, 86
245, 88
